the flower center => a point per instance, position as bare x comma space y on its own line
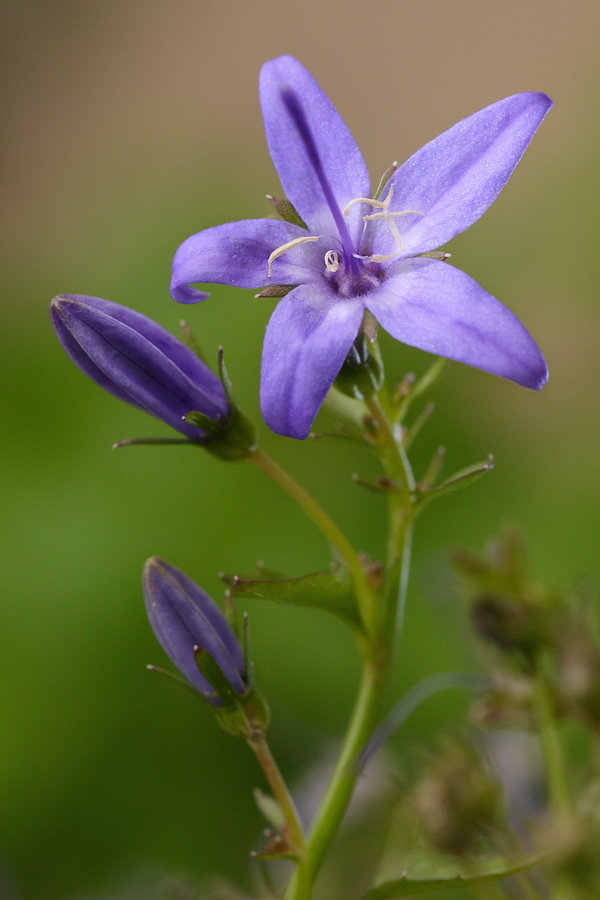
388, 217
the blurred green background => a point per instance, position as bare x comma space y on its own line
128, 126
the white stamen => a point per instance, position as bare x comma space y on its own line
285, 247
388, 217
332, 261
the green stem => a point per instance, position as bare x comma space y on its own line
377, 669
397, 468
560, 799
339, 791
295, 834
325, 523
559, 792
380, 641
395, 459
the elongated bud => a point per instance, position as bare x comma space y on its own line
189, 625
201, 643
138, 361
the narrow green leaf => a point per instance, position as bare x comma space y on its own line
450, 874
331, 591
456, 482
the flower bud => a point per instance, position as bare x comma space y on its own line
194, 633
139, 362
361, 375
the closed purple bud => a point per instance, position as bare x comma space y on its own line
138, 361
186, 621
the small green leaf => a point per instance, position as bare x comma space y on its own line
459, 480
431, 872
190, 341
330, 591
270, 809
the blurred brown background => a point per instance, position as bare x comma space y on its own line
127, 126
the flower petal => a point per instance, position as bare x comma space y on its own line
454, 178
237, 253
342, 161
438, 308
307, 340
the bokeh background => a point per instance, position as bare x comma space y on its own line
128, 125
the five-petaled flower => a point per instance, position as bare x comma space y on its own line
354, 252
138, 361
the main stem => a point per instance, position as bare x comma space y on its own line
378, 658
366, 714
560, 799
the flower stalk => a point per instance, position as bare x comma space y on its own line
324, 523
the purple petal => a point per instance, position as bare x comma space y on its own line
237, 253
137, 360
183, 616
438, 308
454, 178
342, 161
307, 340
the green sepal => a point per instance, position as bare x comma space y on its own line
440, 255
246, 717
426, 872
361, 375
213, 673
131, 442
413, 430
256, 712
274, 291
231, 614
181, 682
433, 470
284, 208
189, 339
459, 480
248, 662
330, 591
242, 715
384, 179
233, 439
412, 388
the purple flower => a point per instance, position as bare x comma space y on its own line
184, 619
360, 253
135, 359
